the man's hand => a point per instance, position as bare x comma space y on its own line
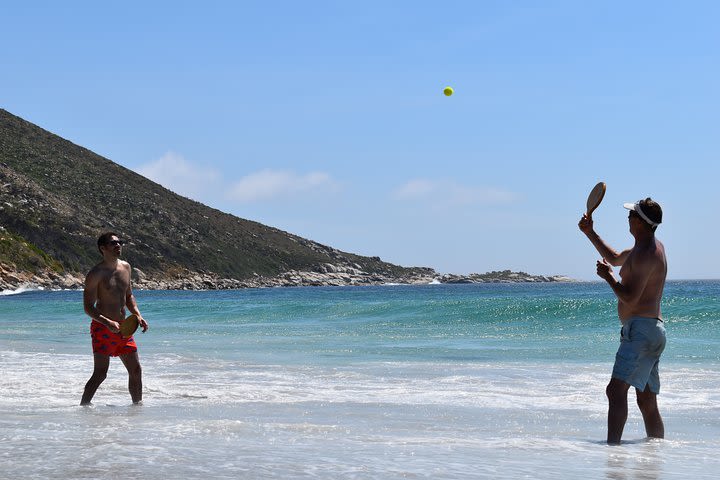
113, 326
585, 224
604, 270
143, 324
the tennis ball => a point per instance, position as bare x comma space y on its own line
448, 91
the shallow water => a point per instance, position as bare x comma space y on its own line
465, 381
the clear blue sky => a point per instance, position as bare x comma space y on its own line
327, 119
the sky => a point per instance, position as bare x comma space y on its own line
328, 119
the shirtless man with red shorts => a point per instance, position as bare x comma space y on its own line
107, 293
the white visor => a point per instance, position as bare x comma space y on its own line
636, 208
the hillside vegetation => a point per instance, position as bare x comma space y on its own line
57, 197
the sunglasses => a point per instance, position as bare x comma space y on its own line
115, 242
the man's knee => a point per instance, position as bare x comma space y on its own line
611, 392
616, 391
135, 371
647, 402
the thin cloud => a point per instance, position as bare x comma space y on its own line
451, 193
175, 173
415, 189
271, 184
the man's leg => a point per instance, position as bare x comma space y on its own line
647, 401
616, 391
102, 362
132, 363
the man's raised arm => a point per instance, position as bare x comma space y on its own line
613, 257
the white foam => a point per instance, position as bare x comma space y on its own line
26, 287
54, 380
222, 418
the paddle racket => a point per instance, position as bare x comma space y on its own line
128, 326
595, 197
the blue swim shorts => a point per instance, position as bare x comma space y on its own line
642, 340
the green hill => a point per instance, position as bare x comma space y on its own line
57, 197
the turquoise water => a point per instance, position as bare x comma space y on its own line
436, 381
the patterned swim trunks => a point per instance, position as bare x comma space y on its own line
108, 343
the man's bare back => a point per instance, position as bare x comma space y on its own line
649, 263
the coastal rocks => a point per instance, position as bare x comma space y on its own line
11, 279
329, 275
70, 282
138, 275
332, 277
504, 276
325, 275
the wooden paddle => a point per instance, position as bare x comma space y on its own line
595, 197
128, 326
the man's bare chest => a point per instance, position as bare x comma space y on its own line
115, 283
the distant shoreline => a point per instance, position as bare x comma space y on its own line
328, 276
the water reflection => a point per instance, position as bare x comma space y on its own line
639, 460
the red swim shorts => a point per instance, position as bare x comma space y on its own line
108, 343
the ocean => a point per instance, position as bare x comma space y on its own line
432, 381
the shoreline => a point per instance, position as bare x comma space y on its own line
323, 276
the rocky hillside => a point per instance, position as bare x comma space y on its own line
57, 197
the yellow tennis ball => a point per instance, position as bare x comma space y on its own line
448, 91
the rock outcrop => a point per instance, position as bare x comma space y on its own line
323, 275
